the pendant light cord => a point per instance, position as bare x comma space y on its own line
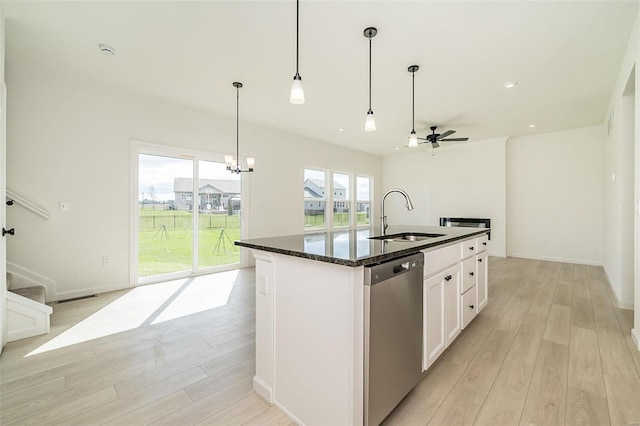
237, 128
413, 102
369, 73
297, 33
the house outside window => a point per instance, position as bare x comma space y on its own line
347, 193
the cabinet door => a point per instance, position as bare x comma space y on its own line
468, 273
482, 283
452, 284
468, 307
434, 339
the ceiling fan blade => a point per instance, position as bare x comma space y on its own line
454, 139
445, 134
435, 144
419, 143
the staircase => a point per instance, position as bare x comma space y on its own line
27, 314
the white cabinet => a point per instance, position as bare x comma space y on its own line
468, 294
469, 311
455, 290
442, 320
482, 282
452, 287
482, 279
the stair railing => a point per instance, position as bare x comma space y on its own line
13, 197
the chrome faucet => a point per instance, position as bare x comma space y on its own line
408, 204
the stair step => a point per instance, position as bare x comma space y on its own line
36, 293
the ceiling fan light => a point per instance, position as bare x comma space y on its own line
370, 123
297, 92
413, 139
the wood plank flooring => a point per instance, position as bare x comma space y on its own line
550, 348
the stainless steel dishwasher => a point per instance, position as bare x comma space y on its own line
393, 334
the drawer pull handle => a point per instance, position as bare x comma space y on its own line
448, 277
471, 273
471, 306
471, 248
484, 244
479, 260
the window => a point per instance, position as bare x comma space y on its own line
186, 215
314, 199
346, 194
363, 200
341, 217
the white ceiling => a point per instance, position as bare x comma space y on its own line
565, 56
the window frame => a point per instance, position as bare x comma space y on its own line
329, 200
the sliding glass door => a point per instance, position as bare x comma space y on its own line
188, 214
219, 217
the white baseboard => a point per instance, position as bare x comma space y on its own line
496, 253
66, 295
262, 389
23, 277
555, 259
635, 336
619, 303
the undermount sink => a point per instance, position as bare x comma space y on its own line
406, 237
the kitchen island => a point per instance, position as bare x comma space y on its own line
310, 304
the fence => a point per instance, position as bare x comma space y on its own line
185, 221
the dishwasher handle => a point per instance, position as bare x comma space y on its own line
375, 274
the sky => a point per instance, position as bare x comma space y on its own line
160, 172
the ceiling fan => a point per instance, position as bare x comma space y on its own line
434, 137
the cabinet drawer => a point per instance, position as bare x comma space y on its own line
482, 243
468, 307
439, 259
468, 273
469, 248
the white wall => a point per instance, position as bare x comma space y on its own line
69, 140
463, 180
622, 157
3, 265
555, 196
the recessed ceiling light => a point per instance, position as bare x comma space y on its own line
510, 84
531, 126
341, 129
106, 49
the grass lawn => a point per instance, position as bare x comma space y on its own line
339, 219
165, 241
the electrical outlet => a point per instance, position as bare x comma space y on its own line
105, 260
262, 284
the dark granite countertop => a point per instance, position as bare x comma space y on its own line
353, 247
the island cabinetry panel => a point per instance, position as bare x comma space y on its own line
442, 317
482, 263
309, 338
455, 290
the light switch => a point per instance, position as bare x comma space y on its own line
613, 177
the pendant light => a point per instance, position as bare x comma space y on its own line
413, 137
370, 123
296, 96
233, 164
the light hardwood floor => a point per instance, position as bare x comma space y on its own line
550, 348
